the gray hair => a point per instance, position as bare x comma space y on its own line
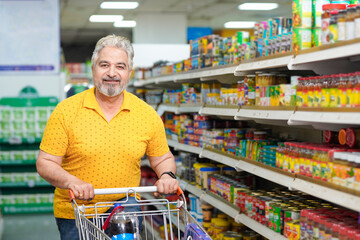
114, 41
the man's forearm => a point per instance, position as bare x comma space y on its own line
54, 173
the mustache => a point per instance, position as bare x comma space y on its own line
112, 79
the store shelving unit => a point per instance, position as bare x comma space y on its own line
286, 179
266, 63
334, 58
226, 111
232, 211
178, 108
27, 208
326, 119
329, 59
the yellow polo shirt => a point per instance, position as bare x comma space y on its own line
105, 154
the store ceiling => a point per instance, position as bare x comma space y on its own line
76, 28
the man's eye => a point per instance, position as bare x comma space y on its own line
121, 67
103, 65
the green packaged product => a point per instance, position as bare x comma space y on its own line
316, 13
302, 13
315, 37
301, 39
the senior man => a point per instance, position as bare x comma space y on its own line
95, 139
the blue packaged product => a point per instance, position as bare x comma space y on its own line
195, 233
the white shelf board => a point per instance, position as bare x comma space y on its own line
219, 158
191, 188
188, 148
326, 54
164, 79
265, 173
172, 143
325, 120
142, 83
167, 108
329, 194
259, 228
283, 115
218, 111
279, 62
189, 108
178, 108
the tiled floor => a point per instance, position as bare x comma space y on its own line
30, 227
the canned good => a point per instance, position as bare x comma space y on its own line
276, 217
295, 230
288, 227
301, 39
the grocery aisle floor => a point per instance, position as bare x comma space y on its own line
30, 227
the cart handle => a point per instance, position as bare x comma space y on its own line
102, 191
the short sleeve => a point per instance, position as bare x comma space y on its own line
55, 138
157, 145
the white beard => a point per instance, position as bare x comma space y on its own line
109, 90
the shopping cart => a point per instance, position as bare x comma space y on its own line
158, 216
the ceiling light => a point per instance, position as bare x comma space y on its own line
119, 5
125, 24
105, 18
258, 6
239, 24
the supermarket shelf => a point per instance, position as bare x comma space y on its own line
286, 179
208, 74
331, 120
142, 83
29, 184
266, 173
17, 162
18, 140
177, 109
232, 211
213, 155
266, 63
218, 111
329, 194
189, 108
27, 208
265, 113
172, 143
328, 59
259, 228
156, 234
188, 148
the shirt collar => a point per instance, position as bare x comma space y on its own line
91, 102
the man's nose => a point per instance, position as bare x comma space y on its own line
112, 71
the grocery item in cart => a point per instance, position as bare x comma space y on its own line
122, 226
193, 232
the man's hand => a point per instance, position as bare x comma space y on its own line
82, 190
166, 185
